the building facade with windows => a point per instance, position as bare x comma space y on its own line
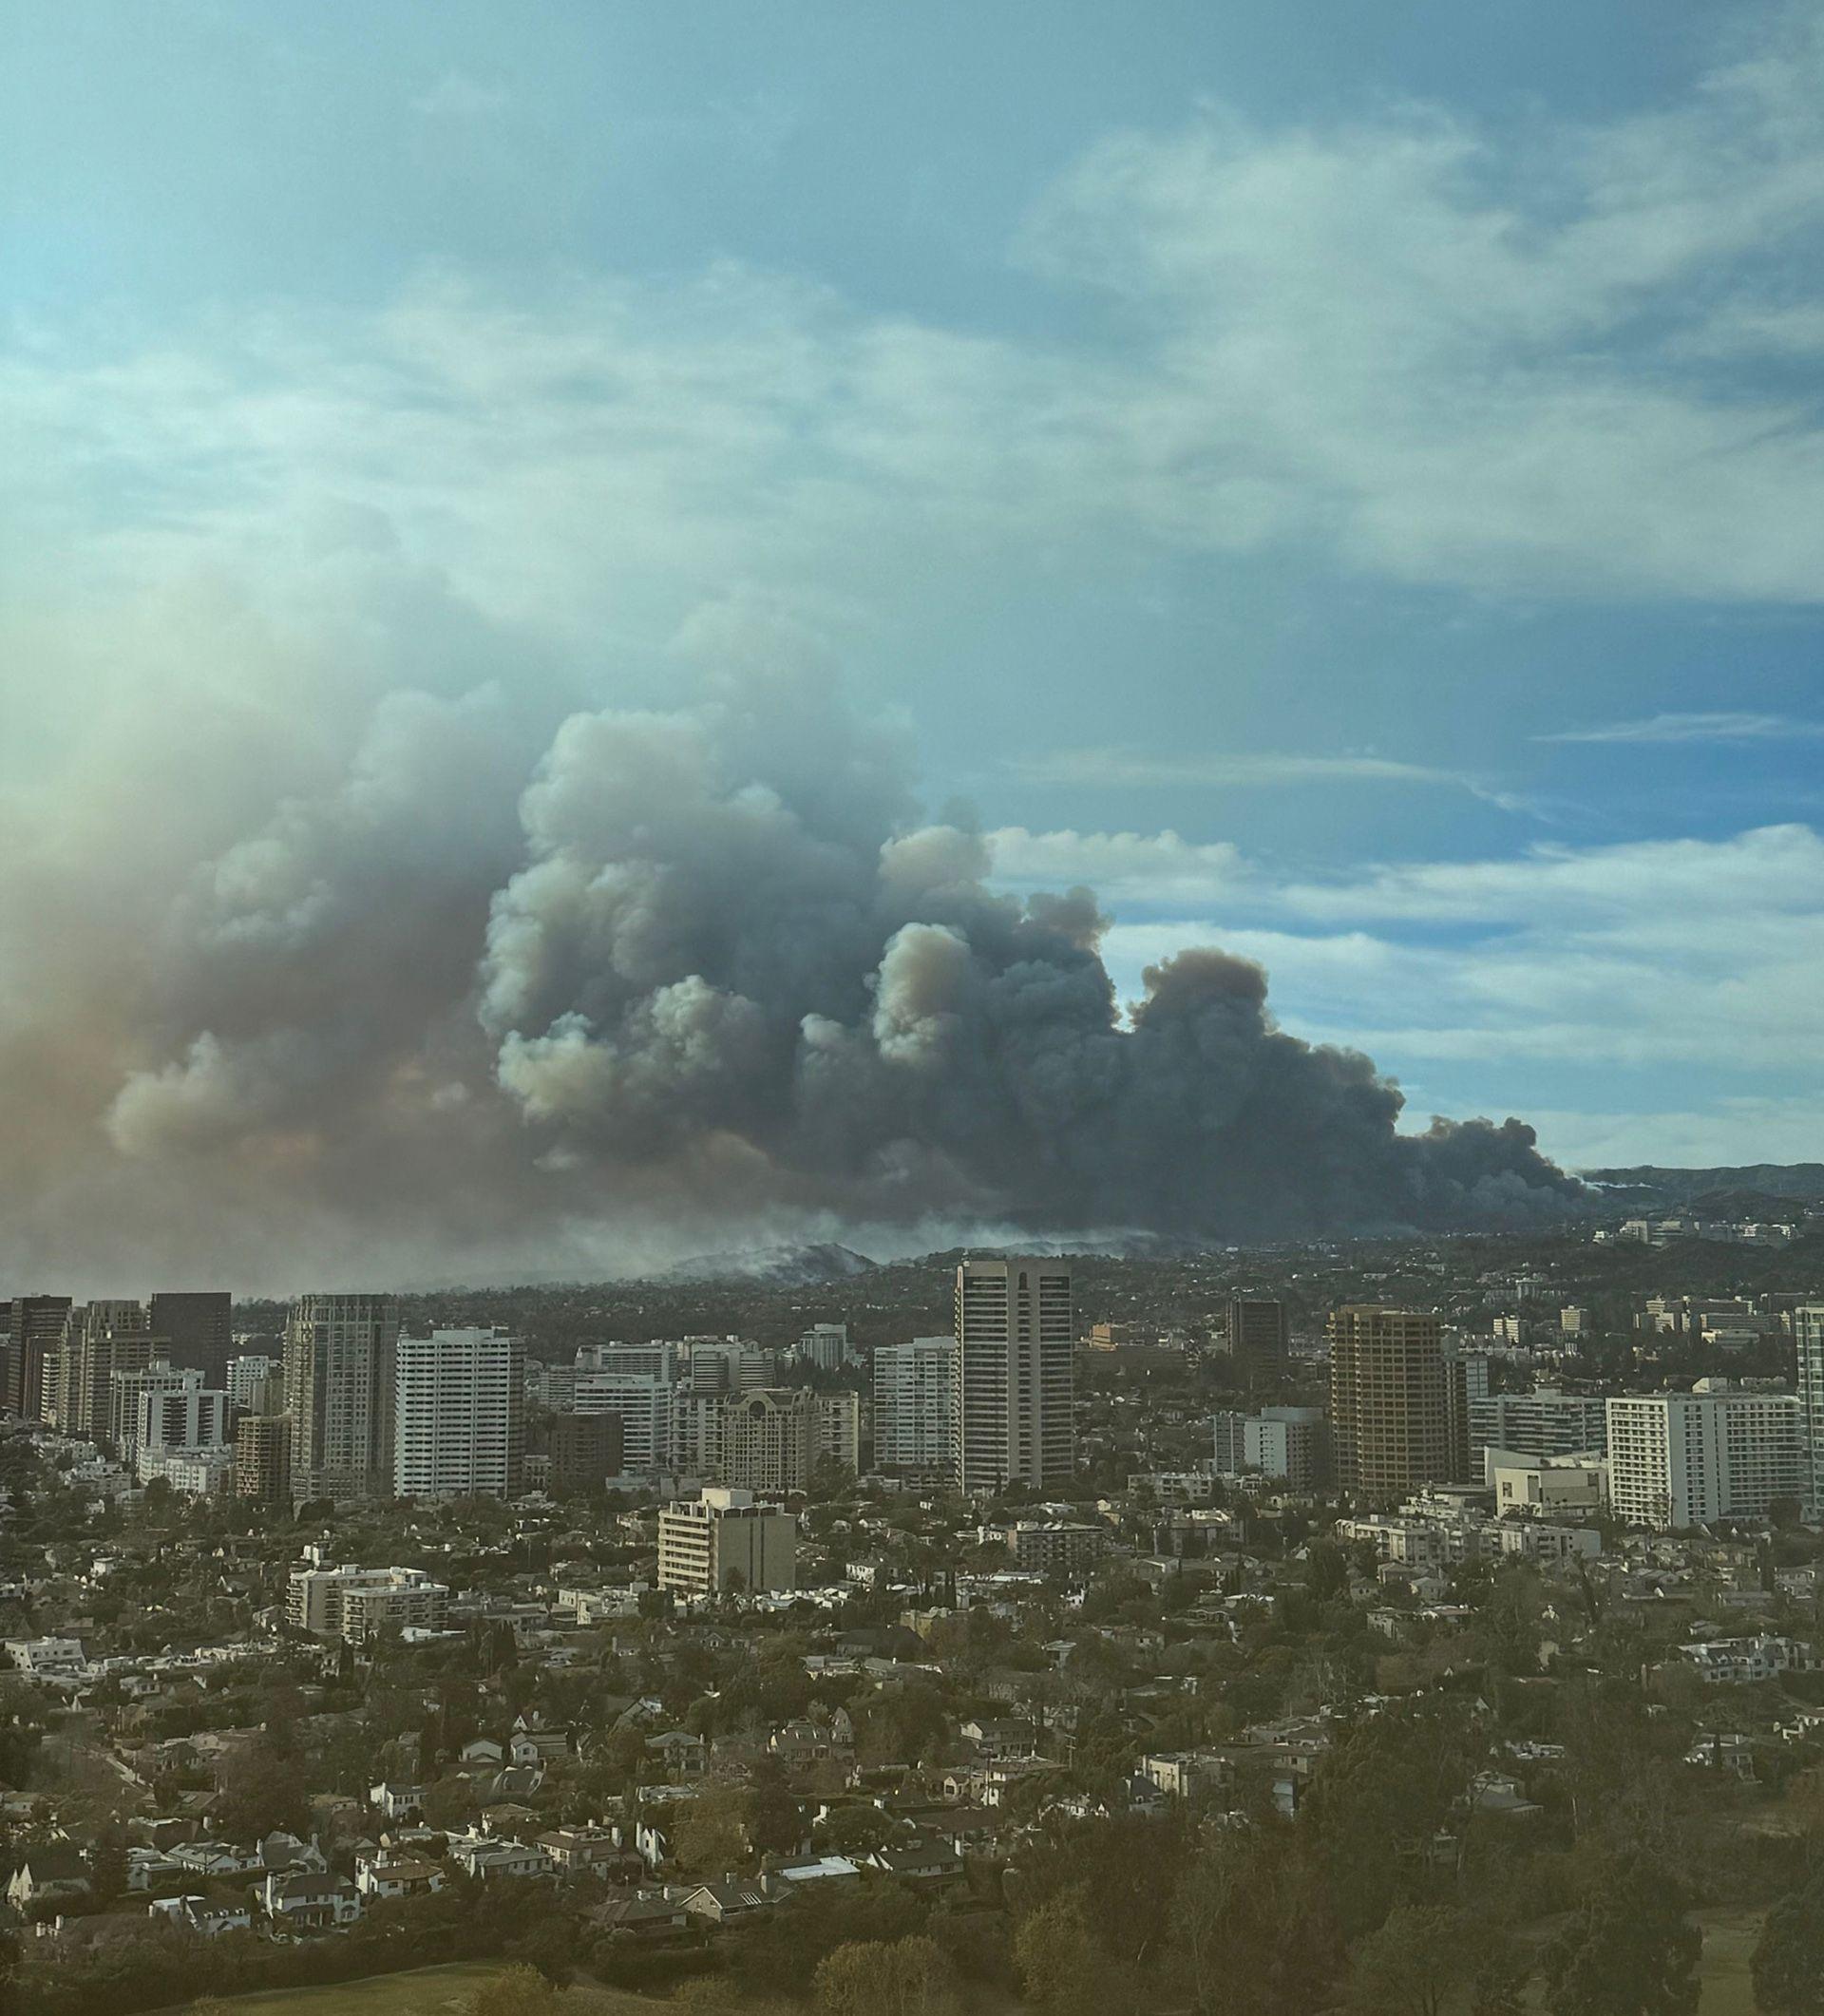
459, 1415
914, 1404
723, 1540
1015, 1337
1399, 1414
339, 1394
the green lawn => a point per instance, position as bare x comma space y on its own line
1728, 1945
423, 1991
1726, 1987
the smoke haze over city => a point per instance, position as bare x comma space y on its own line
606, 657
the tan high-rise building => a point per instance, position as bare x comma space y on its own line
1015, 1362
838, 1430
114, 1337
1398, 1419
263, 1459
770, 1440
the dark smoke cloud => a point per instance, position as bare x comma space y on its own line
467, 1007
727, 930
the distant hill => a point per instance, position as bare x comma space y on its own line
1792, 1182
780, 1267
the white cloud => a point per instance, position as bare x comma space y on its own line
1142, 867
1264, 769
1728, 1133
1445, 354
1720, 727
1700, 957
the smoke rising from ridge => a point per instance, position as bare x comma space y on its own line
488, 996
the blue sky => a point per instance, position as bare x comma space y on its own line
1344, 482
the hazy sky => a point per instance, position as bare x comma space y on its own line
1347, 482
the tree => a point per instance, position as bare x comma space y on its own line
1413, 1963
1379, 1799
1631, 1952
108, 1866
1789, 1958
1498, 1973
1058, 1962
773, 1821
267, 1789
1252, 1922
517, 1991
711, 1832
907, 1977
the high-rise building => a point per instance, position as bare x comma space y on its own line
1681, 1459
1257, 1341
550, 1386
36, 1325
1808, 1332
127, 1394
263, 1459
256, 1383
1015, 1342
770, 1440
914, 1404
189, 1416
1542, 1423
197, 1328
97, 1339
1228, 1442
584, 1450
724, 1541
837, 1430
459, 1415
727, 1364
338, 1392
1289, 1444
824, 1346
696, 1434
114, 1337
1398, 1418
637, 1382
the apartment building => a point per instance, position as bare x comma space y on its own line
459, 1415
914, 1404
1399, 1414
1015, 1347
1683, 1460
356, 1603
339, 1394
725, 1541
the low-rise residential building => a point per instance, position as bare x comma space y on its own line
1057, 1547
1743, 1661
723, 1540
356, 1603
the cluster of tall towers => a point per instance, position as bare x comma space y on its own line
994, 1403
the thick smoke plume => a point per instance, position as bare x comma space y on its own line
466, 1005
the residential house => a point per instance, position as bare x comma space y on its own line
398, 1802
309, 1901
46, 1875
729, 1901
386, 1876
203, 1915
